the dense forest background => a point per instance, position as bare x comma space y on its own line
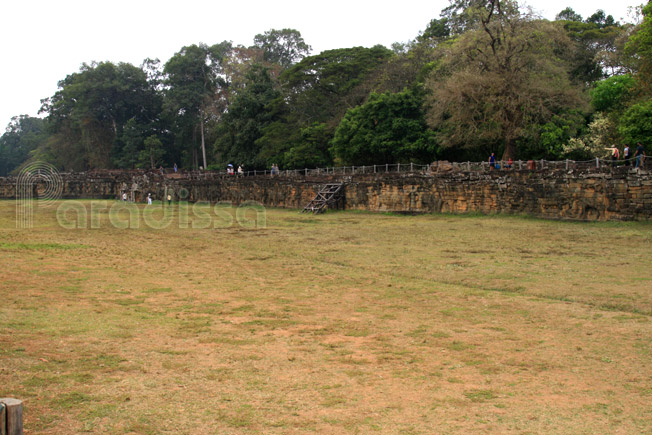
486, 76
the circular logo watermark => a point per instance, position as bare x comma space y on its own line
38, 184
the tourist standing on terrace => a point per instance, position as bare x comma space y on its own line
492, 161
614, 155
639, 155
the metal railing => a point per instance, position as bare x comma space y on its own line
593, 165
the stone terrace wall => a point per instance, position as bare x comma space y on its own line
618, 195
606, 194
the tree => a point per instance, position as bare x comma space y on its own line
236, 65
88, 113
568, 14
153, 153
462, 15
133, 136
499, 78
323, 86
23, 136
611, 55
636, 125
317, 90
284, 47
388, 128
437, 29
611, 93
600, 135
596, 41
549, 140
311, 148
639, 47
601, 19
407, 70
194, 76
241, 127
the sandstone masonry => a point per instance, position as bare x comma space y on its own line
606, 194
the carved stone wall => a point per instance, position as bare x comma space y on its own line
609, 194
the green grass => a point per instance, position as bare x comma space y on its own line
480, 395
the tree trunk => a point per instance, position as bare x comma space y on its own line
203, 146
510, 149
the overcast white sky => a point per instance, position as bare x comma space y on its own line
42, 41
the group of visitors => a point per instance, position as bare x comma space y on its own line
638, 156
275, 170
149, 198
231, 171
494, 165
163, 170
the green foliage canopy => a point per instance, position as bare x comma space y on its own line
23, 136
495, 81
241, 127
88, 113
285, 47
640, 47
315, 94
611, 93
194, 75
636, 125
388, 128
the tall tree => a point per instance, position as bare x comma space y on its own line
153, 152
23, 136
639, 47
498, 78
568, 14
596, 40
323, 86
463, 15
88, 113
194, 76
284, 47
601, 19
318, 90
241, 127
436, 29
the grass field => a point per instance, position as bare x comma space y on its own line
338, 323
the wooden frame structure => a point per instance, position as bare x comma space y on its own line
328, 195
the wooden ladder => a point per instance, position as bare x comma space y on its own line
328, 194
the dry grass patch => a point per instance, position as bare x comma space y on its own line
338, 323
